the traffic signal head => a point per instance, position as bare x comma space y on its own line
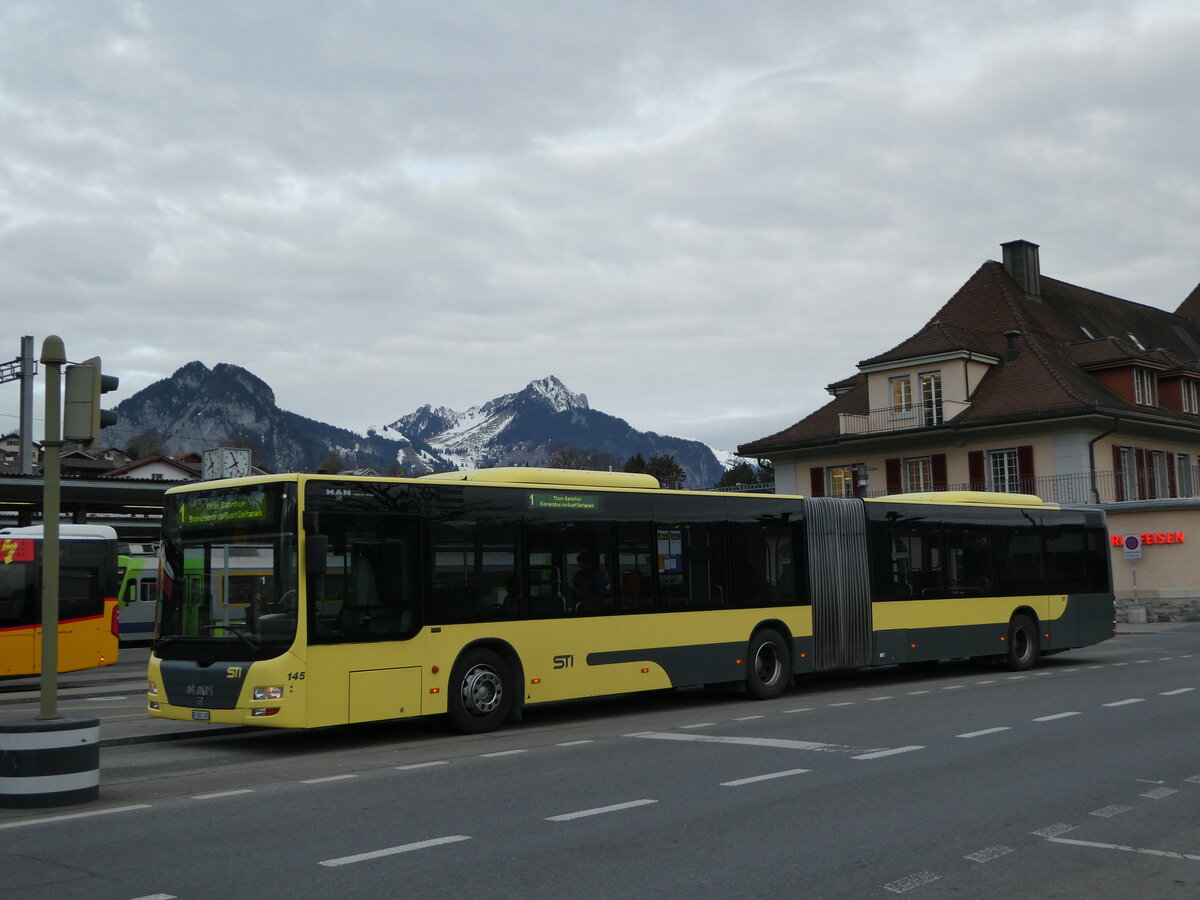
82, 416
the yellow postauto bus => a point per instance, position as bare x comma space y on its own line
477, 594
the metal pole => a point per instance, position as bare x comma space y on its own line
25, 454
54, 356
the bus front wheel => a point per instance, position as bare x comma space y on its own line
481, 692
769, 665
1022, 644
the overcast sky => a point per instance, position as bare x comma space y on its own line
697, 213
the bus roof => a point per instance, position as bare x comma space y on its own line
537, 475
965, 498
74, 532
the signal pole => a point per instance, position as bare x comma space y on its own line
54, 356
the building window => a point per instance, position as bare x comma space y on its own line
1191, 398
1161, 485
918, 474
1145, 391
931, 398
1128, 474
841, 481
1183, 466
901, 390
1003, 475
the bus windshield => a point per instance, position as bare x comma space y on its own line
228, 574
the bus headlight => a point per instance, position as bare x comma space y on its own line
274, 692
153, 689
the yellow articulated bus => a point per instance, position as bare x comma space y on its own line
478, 594
87, 598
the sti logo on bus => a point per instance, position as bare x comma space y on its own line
565, 661
233, 672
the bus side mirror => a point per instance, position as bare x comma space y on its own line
316, 552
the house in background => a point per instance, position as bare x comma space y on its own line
1023, 383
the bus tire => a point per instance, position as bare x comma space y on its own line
481, 692
1022, 644
769, 665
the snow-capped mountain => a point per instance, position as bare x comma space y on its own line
198, 407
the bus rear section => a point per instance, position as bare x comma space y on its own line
88, 618
137, 570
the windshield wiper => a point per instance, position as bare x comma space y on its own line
237, 632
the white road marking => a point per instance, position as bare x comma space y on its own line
953, 687
801, 709
751, 780
1125, 848
747, 718
1064, 715
157, 897
1055, 830
501, 753
79, 815
987, 681
425, 765
577, 743
1159, 793
879, 754
1126, 702
392, 851
975, 734
917, 693
989, 853
599, 810
1015, 677
744, 741
904, 885
220, 794
326, 778
873, 699
1195, 779
1174, 692
1108, 812
699, 725
843, 703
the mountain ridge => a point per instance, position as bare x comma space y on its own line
198, 407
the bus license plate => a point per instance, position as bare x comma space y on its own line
200, 715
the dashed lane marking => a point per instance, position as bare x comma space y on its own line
1159, 793
424, 765
879, 754
986, 731
392, 851
1175, 692
599, 810
1108, 812
756, 778
1055, 830
1062, 715
743, 741
220, 794
326, 778
1126, 702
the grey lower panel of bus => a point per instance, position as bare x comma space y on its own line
702, 664
839, 583
217, 686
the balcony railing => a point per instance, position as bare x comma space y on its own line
919, 415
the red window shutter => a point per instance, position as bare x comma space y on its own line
816, 481
975, 472
1143, 475
938, 464
892, 470
1025, 468
1118, 473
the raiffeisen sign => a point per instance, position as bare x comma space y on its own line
1157, 537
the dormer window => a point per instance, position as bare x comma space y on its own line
901, 390
1145, 390
1191, 397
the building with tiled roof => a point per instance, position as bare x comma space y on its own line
1019, 383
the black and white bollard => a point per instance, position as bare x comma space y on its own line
49, 763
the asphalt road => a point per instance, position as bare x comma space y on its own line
1081, 778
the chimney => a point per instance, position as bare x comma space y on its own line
1021, 262
1014, 346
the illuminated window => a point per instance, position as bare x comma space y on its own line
841, 481
901, 389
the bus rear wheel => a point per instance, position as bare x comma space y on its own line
481, 692
1022, 644
769, 665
